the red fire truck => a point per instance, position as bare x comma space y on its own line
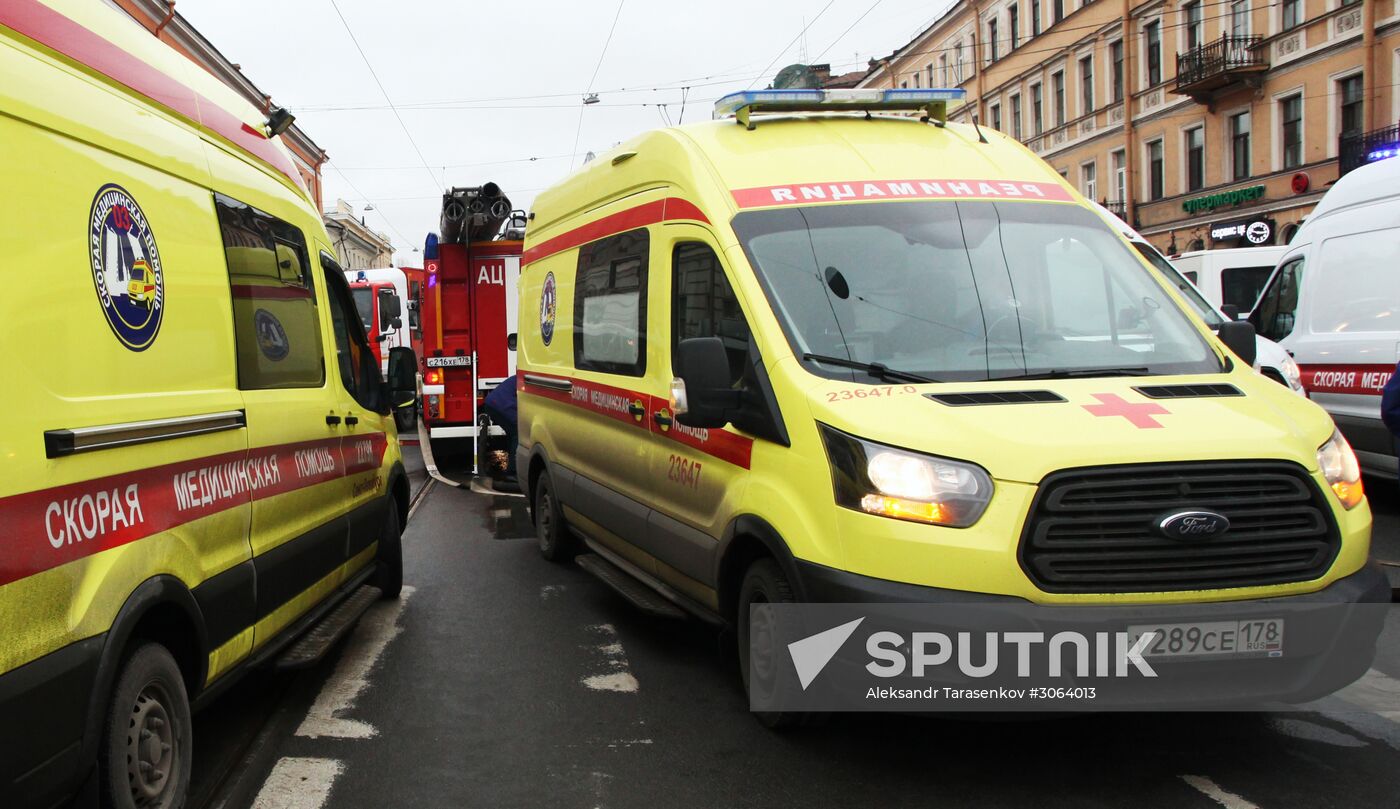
389, 302
468, 313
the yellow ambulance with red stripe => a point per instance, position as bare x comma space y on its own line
198, 461
832, 354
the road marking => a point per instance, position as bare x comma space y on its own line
1377, 692
299, 783
367, 643
1212, 790
618, 676
1312, 732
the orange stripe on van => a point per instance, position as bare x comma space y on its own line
51, 527
67, 38
612, 402
670, 209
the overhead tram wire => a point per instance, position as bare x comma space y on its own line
843, 34
408, 244
775, 59
583, 105
437, 183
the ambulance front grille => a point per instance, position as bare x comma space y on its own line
1094, 530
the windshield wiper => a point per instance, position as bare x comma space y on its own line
876, 369
1072, 373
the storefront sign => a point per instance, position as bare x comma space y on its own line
1246, 232
1232, 197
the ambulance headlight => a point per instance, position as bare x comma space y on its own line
903, 484
1340, 468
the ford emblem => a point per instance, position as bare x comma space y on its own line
1192, 525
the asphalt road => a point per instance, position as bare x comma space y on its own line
503, 680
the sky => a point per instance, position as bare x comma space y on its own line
493, 91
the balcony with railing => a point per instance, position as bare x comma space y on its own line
1356, 150
1204, 71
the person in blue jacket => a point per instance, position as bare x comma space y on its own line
500, 405
1390, 408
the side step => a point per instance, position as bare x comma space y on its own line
641, 596
318, 640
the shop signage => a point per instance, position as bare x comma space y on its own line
1246, 232
1232, 197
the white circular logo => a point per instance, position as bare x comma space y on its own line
126, 267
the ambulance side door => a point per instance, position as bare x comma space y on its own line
697, 473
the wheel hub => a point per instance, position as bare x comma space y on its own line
150, 747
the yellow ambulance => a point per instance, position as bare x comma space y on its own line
833, 355
198, 462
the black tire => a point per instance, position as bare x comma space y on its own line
388, 560
555, 542
764, 583
144, 761
406, 420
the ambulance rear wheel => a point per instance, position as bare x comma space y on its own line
764, 583
388, 571
146, 745
555, 541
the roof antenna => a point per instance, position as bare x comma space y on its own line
980, 137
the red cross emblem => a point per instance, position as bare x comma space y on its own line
1141, 415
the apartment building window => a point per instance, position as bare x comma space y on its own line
992, 38
958, 63
1086, 85
931, 82
1089, 181
917, 78
1016, 117
1195, 158
1239, 18
1014, 21
1191, 14
1057, 7
1239, 146
1115, 53
1155, 175
1152, 34
1119, 161
1292, 13
1350, 91
1057, 84
943, 71
1035, 18
996, 117
1037, 109
1291, 111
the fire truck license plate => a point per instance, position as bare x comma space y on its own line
448, 362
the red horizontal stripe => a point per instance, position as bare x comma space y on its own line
66, 37
1366, 379
669, 209
51, 527
612, 402
865, 191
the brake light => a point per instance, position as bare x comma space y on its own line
434, 376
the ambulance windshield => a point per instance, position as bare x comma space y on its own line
967, 291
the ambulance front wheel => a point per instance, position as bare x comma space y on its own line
555, 541
146, 740
764, 583
388, 560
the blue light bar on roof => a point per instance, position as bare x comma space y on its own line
932, 101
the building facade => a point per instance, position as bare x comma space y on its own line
357, 246
160, 18
1207, 123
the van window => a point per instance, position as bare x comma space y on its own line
968, 290
1240, 285
1357, 288
1192, 277
704, 305
275, 322
359, 371
610, 303
364, 304
1278, 306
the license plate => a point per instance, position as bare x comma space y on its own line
1253, 637
448, 362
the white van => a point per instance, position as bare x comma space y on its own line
1269, 359
1334, 303
1232, 276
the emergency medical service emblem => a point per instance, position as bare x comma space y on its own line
126, 267
547, 309
272, 338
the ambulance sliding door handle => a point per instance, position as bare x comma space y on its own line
351, 421
636, 410
660, 419
332, 420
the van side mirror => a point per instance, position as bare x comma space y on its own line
1238, 336
1231, 311
403, 376
390, 309
701, 390
511, 340
396, 324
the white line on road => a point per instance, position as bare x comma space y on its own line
1377, 692
299, 783
1212, 790
351, 676
618, 676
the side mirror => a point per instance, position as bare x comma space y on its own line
1231, 311
390, 308
1238, 336
701, 392
403, 377
396, 324
511, 340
